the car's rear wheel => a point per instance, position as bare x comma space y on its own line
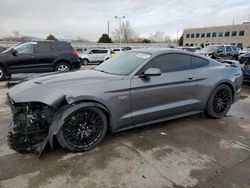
219, 101
85, 62
62, 67
83, 129
2, 73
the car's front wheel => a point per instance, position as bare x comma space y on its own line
85, 62
219, 101
83, 129
2, 73
62, 67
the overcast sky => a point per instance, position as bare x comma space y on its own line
88, 18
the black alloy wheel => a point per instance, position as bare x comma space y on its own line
219, 102
83, 129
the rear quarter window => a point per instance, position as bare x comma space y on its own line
199, 62
58, 46
44, 47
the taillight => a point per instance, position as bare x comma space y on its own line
74, 53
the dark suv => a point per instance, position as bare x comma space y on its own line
36, 57
220, 52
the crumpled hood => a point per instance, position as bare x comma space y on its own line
57, 85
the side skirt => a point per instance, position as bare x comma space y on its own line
158, 120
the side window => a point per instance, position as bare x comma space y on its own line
25, 48
61, 46
170, 63
94, 51
221, 49
102, 51
234, 49
44, 47
198, 62
228, 49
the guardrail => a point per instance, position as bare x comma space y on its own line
8, 44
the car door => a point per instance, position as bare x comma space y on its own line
229, 52
102, 54
93, 56
22, 58
44, 57
169, 94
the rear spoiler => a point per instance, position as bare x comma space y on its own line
230, 63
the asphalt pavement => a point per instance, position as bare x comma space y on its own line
194, 151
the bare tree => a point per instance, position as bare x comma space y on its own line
124, 31
80, 39
16, 34
160, 36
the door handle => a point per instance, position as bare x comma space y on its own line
190, 79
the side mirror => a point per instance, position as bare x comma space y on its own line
14, 52
151, 72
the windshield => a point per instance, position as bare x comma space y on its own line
87, 51
209, 49
123, 64
9, 49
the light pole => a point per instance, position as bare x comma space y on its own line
120, 18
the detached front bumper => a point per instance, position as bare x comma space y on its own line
29, 127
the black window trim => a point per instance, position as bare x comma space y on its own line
139, 72
208, 62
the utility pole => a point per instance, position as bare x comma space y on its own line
177, 38
108, 28
120, 18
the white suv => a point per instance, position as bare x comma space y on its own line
95, 56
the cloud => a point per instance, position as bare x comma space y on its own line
88, 19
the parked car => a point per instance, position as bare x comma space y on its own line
197, 48
133, 89
220, 52
245, 50
36, 57
244, 58
246, 72
186, 48
116, 51
127, 48
2, 49
95, 56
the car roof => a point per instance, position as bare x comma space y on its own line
158, 51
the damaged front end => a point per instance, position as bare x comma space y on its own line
30, 126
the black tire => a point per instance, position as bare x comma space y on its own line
81, 135
85, 61
2, 73
219, 101
62, 67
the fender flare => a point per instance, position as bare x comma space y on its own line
4, 66
226, 82
60, 60
60, 115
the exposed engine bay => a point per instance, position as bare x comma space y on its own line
30, 127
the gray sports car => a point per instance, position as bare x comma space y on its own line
136, 88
